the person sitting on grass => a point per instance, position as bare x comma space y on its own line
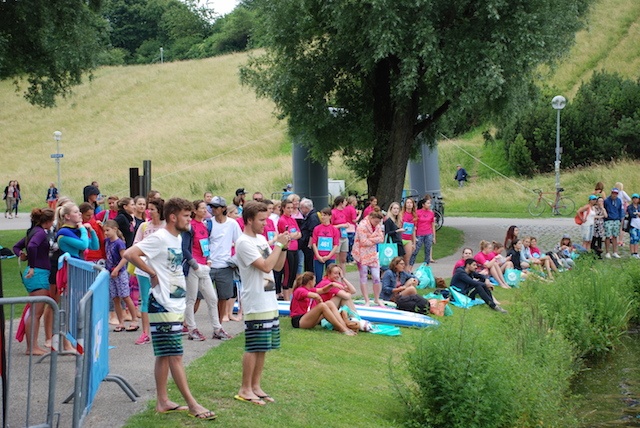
472, 284
467, 253
400, 287
516, 257
542, 262
488, 266
307, 308
341, 290
564, 250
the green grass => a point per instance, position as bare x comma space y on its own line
11, 282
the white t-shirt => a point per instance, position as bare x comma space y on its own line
221, 240
258, 288
164, 255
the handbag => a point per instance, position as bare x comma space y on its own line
387, 252
425, 277
579, 219
512, 277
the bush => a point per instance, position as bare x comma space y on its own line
468, 376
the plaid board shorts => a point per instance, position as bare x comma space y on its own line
261, 332
166, 330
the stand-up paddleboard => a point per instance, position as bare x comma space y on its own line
380, 315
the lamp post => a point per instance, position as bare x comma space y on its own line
58, 136
558, 102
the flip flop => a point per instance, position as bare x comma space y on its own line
266, 398
256, 401
119, 329
133, 328
176, 409
204, 416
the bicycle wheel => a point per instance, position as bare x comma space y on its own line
566, 206
439, 219
537, 206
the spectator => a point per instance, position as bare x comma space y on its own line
461, 175
163, 251
409, 218
472, 284
393, 227
633, 210
257, 196
288, 224
467, 253
598, 226
339, 221
615, 214
400, 287
256, 263
599, 190
52, 196
368, 235
111, 212
351, 215
425, 232
238, 200
622, 195
208, 196
224, 233
17, 197
341, 291
310, 221
73, 236
372, 203
588, 214
325, 243
308, 308
86, 209
490, 267
90, 194
9, 197
512, 234
126, 222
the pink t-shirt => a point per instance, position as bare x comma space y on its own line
340, 217
332, 292
481, 258
367, 210
285, 221
269, 231
240, 223
325, 237
300, 301
424, 225
459, 263
351, 215
200, 246
407, 223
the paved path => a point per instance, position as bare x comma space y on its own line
135, 363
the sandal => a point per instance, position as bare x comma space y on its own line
119, 329
207, 415
133, 328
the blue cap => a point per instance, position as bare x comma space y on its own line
635, 195
592, 197
615, 190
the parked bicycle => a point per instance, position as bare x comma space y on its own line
560, 205
437, 205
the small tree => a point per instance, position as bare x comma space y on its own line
520, 157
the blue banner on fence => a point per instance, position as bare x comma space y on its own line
97, 352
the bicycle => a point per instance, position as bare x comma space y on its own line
437, 206
561, 205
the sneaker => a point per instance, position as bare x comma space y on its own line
616, 255
185, 329
220, 334
635, 256
499, 309
607, 256
196, 335
143, 339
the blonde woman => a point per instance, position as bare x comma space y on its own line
409, 218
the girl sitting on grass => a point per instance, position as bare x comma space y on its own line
307, 308
119, 281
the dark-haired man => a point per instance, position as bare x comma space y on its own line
472, 284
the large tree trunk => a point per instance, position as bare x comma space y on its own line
388, 170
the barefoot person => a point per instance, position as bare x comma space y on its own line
257, 262
163, 251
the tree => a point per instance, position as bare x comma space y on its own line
50, 43
394, 68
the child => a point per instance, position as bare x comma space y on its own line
119, 282
305, 314
325, 241
341, 289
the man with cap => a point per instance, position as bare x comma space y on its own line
224, 233
288, 190
90, 194
588, 214
633, 211
615, 214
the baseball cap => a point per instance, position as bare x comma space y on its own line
592, 197
615, 190
566, 236
217, 202
240, 191
635, 195
92, 190
289, 186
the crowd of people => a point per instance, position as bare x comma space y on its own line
164, 257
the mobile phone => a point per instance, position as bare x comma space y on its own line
286, 228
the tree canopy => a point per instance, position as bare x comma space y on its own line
367, 78
49, 43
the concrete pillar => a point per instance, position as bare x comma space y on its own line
424, 174
310, 178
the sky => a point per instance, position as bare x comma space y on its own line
222, 7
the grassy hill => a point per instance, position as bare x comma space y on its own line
203, 131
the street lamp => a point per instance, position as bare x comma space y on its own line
57, 136
558, 102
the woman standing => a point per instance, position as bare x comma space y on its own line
140, 214
9, 197
633, 210
393, 227
17, 197
409, 219
368, 235
351, 215
287, 224
36, 275
126, 222
425, 232
52, 196
588, 214
73, 236
339, 221
598, 226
